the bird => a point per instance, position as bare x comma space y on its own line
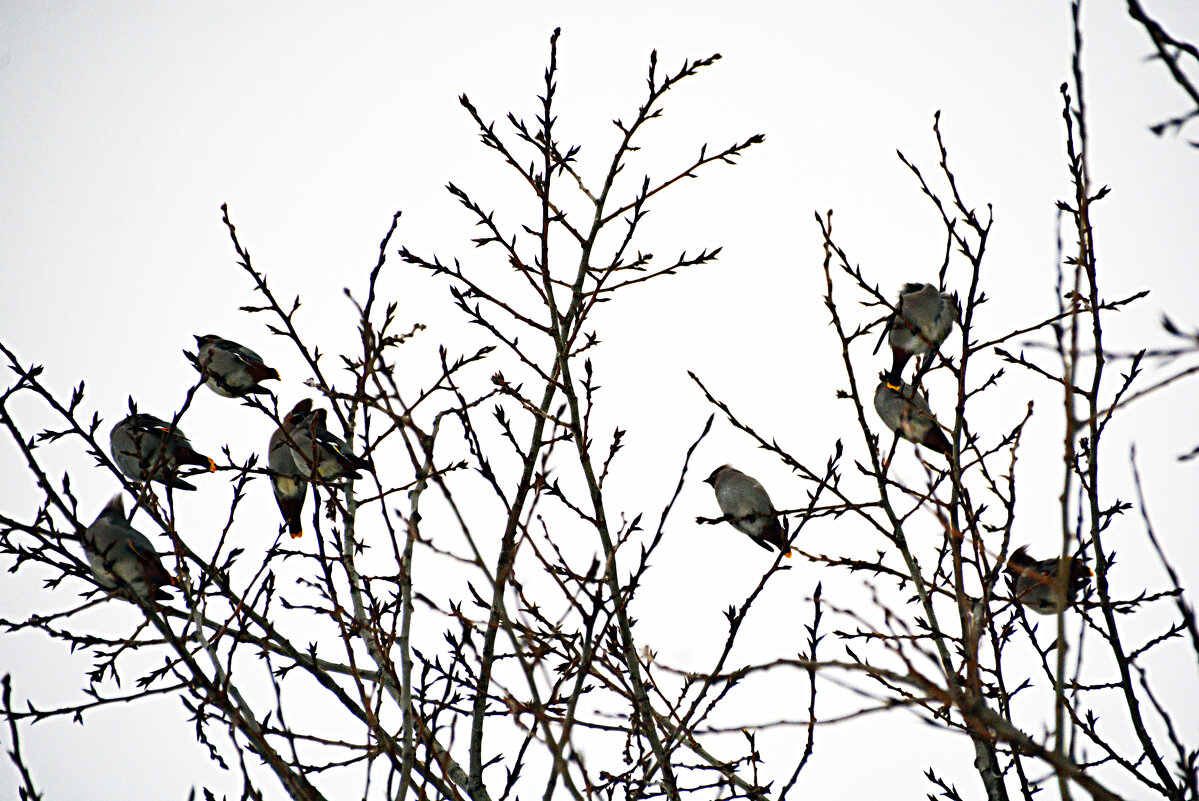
1035, 582
906, 412
319, 454
745, 502
229, 369
122, 557
291, 489
921, 321
145, 447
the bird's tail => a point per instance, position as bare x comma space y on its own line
776, 535
937, 441
189, 456
899, 358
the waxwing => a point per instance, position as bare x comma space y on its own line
321, 454
229, 369
288, 482
745, 502
145, 447
122, 557
906, 413
1034, 582
921, 321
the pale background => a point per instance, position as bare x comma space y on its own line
124, 126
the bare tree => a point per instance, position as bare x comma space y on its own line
462, 620
1177, 56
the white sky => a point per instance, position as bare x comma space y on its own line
126, 125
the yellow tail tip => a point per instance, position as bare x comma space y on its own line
211, 466
297, 535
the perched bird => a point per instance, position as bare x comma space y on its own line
320, 454
1035, 582
145, 447
921, 321
906, 412
122, 557
745, 502
229, 369
288, 482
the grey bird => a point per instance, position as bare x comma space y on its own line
229, 369
1035, 583
921, 321
907, 414
122, 557
145, 447
745, 502
321, 454
288, 482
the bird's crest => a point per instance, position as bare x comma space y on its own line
712, 478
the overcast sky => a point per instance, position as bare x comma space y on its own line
125, 126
